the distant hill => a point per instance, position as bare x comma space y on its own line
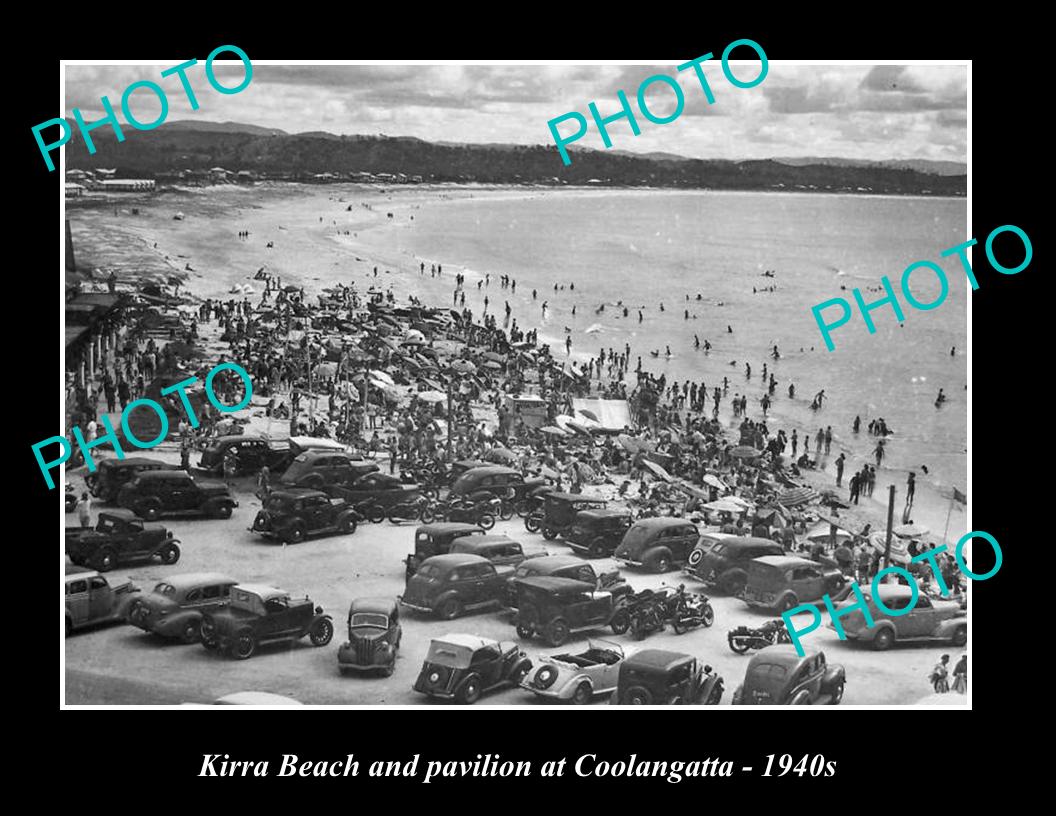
938, 168
270, 153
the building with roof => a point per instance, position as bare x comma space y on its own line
126, 185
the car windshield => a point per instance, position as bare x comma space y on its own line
370, 619
524, 570
165, 589
637, 535
449, 654
718, 547
429, 571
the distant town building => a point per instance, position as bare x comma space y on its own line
126, 185
74, 190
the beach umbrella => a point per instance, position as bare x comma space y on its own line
492, 364
657, 471
578, 427
494, 356
431, 396
548, 473
463, 367
501, 456
552, 431
724, 505
745, 452
715, 482
796, 496
414, 338
589, 414
632, 444
384, 377
910, 530
899, 547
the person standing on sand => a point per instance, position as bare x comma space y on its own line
855, 487
828, 439
857, 424
879, 452
84, 510
795, 442
840, 460
960, 675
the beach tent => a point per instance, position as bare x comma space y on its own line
611, 415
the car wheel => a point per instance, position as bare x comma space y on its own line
505, 511
427, 516
244, 646
802, 698
521, 508
315, 482
557, 632
531, 523
295, 534
387, 671
660, 562
376, 514
583, 694
170, 554
960, 636
449, 609
106, 560
469, 693
597, 548
637, 695
790, 601
524, 631
347, 525
621, 622
69, 627
549, 533
191, 632
321, 632
676, 700
884, 640
733, 585
486, 521
837, 695
520, 671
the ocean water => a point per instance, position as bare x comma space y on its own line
645, 248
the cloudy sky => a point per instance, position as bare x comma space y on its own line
861, 112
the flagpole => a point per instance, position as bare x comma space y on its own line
949, 510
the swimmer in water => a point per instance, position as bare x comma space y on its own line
661, 306
668, 351
696, 342
729, 329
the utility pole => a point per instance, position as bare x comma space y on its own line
890, 522
450, 417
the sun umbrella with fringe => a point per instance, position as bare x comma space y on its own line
796, 496
745, 452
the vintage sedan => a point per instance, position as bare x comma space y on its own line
577, 677
783, 582
293, 514
450, 585
777, 675
928, 619
174, 608
259, 614
91, 599
374, 634
556, 608
657, 543
462, 667
662, 677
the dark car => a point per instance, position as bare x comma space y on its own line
318, 468
448, 585
435, 539
292, 515
374, 634
496, 480
251, 453
566, 566
174, 608
555, 608
380, 489
783, 582
500, 550
560, 511
120, 537
660, 677
722, 560
597, 533
258, 615
462, 667
657, 543
777, 675
113, 474
164, 492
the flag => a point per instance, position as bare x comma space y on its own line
958, 496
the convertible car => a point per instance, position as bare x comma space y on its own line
577, 677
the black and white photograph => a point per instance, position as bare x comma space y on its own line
517, 384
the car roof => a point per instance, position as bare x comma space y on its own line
255, 698
477, 542
555, 562
161, 475
657, 659
188, 580
442, 527
785, 561
222, 440
571, 497
604, 512
120, 513
491, 470
373, 603
740, 542
74, 576
662, 522
452, 560
559, 586
472, 464
473, 642
783, 654
132, 461
893, 591
296, 493
265, 591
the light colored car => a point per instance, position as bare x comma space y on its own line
91, 598
577, 677
175, 607
256, 698
928, 619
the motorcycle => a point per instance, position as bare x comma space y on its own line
770, 633
533, 522
685, 611
481, 513
414, 510
647, 613
371, 511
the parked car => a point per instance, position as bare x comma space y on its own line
566, 566
500, 550
722, 560
929, 619
435, 539
659, 677
120, 537
258, 615
91, 598
777, 675
556, 608
449, 585
657, 543
113, 474
377, 488
374, 634
318, 468
597, 533
174, 608
576, 678
560, 511
164, 492
251, 452
257, 698
782, 582
462, 667
496, 480
293, 514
